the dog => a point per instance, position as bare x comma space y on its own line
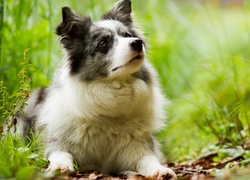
104, 103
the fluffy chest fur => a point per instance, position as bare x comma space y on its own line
101, 105
97, 121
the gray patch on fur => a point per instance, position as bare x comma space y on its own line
26, 120
81, 38
144, 75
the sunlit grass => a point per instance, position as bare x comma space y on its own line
205, 71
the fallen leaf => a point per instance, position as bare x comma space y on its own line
94, 176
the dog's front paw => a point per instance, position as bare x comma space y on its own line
162, 172
150, 166
63, 167
60, 161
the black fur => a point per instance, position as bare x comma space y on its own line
88, 45
41, 95
73, 25
144, 75
81, 45
74, 30
28, 119
121, 12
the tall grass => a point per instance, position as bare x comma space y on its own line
200, 51
17, 159
2, 6
205, 73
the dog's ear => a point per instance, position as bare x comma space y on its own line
72, 24
121, 12
67, 14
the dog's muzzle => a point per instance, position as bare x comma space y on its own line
136, 45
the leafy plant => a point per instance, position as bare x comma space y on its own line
12, 104
17, 159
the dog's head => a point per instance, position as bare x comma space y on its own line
110, 48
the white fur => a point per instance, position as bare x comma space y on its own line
150, 166
60, 161
109, 24
122, 59
121, 141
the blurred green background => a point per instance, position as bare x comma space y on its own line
199, 47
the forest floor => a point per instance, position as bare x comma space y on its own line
201, 168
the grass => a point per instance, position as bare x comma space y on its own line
18, 160
212, 99
200, 51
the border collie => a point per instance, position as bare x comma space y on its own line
104, 103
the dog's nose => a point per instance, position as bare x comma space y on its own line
137, 45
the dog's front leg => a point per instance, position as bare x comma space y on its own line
61, 161
150, 166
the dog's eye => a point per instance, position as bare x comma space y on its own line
103, 43
127, 35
